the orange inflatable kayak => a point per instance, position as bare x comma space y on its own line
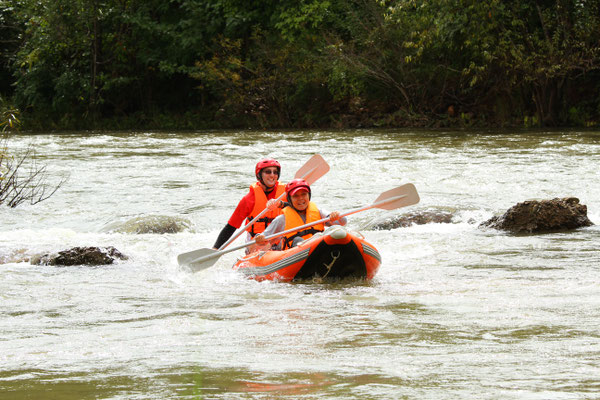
337, 253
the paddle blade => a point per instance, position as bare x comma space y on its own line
402, 196
196, 266
313, 169
197, 257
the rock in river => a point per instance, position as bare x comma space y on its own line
414, 218
80, 256
157, 224
535, 216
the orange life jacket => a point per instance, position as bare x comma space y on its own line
293, 220
260, 203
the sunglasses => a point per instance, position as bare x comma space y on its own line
270, 171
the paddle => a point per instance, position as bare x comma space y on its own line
401, 196
312, 170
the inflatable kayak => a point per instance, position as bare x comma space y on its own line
336, 253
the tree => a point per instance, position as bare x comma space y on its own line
301, 62
530, 55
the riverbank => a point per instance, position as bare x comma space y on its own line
360, 120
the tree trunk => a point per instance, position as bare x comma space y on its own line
546, 96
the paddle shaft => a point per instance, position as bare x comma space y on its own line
243, 228
276, 235
298, 228
263, 212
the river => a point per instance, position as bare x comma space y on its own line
455, 312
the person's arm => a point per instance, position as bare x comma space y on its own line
240, 213
243, 210
224, 236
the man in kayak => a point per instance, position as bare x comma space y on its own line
298, 211
262, 195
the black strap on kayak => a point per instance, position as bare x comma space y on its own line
288, 241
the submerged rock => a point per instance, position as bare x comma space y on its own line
158, 224
414, 218
80, 256
535, 216
16, 256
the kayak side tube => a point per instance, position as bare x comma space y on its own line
335, 254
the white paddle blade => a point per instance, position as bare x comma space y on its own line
313, 169
189, 257
196, 266
402, 196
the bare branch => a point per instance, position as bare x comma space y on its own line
16, 188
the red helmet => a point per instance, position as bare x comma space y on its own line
264, 163
294, 185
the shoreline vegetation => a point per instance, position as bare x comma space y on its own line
326, 64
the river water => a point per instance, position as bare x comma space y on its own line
455, 311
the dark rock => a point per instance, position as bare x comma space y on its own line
542, 216
415, 218
80, 256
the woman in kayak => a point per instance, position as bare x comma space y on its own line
298, 211
262, 195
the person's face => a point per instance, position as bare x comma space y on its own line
300, 200
269, 176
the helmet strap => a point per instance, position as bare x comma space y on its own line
268, 189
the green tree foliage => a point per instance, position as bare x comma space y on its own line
485, 57
10, 27
89, 58
271, 74
550, 51
77, 63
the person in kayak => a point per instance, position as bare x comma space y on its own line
298, 211
263, 194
